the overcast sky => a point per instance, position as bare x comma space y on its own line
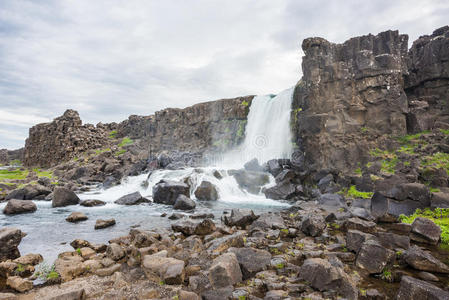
108, 59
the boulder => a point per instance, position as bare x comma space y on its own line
361, 225
273, 167
414, 191
240, 217
188, 227
284, 190
19, 284
251, 260
29, 259
100, 224
324, 277
29, 192
184, 203
76, 217
412, 288
253, 165
355, 239
69, 266
108, 271
63, 197
186, 295
222, 244
332, 200
225, 271
387, 210
373, 258
131, 199
424, 261
115, 252
313, 225
92, 203
206, 191
393, 241
166, 192
78, 243
439, 200
10, 239
425, 231
268, 220
159, 268
205, 227
250, 181
15, 206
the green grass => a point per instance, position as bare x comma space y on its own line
113, 134
16, 174
99, 151
444, 131
440, 216
364, 129
437, 160
352, 192
387, 276
45, 271
411, 137
41, 173
434, 190
358, 171
15, 162
244, 103
120, 152
125, 141
241, 130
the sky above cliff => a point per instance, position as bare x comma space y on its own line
109, 59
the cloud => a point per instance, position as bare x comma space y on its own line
109, 58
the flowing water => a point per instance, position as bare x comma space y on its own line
267, 136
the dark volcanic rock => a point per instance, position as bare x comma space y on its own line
29, 192
100, 224
251, 260
225, 271
131, 199
425, 231
240, 217
373, 257
412, 288
92, 203
15, 206
249, 180
10, 239
253, 165
440, 200
424, 261
64, 197
184, 203
76, 217
355, 239
282, 191
332, 200
166, 192
206, 191
313, 225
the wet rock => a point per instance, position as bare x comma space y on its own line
159, 268
249, 180
10, 239
282, 191
217, 174
332, 200
251, 260
424, 261
313, 225
19, 284
206, 191
14, 207
387, 210
274, 167
268, 221
166, 192
361, 225
253, 165
428, 276
64, 197
425, 231
29, 259
323, 276
393, 241
355, 239
373, 258
184, 203
92, 203
100, 223
220, 245
115, 252
29, 192
176, 216
240, 217
225, 271
440, 200
79, 243
188, 227
131, 199
76, 217
412, 288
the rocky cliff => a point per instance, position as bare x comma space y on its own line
355, 96
6, 156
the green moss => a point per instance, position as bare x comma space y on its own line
242, 297
364, 129
120, 152
387, 276
358, 171
41, 173
113, 134
389, 165
411, 137
241, 130
78, 251
444, 131
296, 113
440, 216
280, 266
16, 174
244, 103
409, 149
20, 268
352, 192
52, 275
15, 162
99, 151
434, 190
437, 160
125, 141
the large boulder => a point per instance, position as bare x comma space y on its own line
439, 200
412, 288
356, 238
251, 260
206, 191
19, 284
425, 231
166, 191
424, 261
64, 197
313, 225
29, 192
225, 271
334, 200
284, 190
184, 203
269, 220
373, 257
324, 277
131, 199
15, 206
160, 268
10, 239
188, 227
387, 210
250, 181
240, 217
101, 223
253, 165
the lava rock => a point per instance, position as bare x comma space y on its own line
313, 225
249, 180
10, 239
206, 191
100, 224
425, 231
439, 200
14, 207
158, 267
373, 258
412, 288
361, 225
251, 260
131, 199
424, 261
225, 271
282, 191
240, 217
393, 241
166, 192
355, 239
184, 203
76, 217
92, 203
64, 197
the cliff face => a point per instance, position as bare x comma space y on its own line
6, 156
51, 143
211, 125
347, 90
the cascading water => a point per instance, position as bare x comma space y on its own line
267, 136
